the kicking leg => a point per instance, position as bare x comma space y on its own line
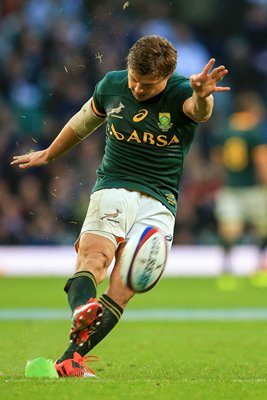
94, 256
114, 300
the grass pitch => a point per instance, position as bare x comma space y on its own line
141, 359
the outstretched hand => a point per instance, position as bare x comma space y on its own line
205, 83
34, 159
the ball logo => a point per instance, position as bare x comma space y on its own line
152, 264
140, 115
143, 259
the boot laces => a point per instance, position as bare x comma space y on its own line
85, 359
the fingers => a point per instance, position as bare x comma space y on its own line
24, 166
30, 160
20, 159
219, 69
219, 73
222, 89
23, 161
208, 66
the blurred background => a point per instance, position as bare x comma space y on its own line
52, 53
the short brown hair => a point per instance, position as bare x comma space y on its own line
152, 55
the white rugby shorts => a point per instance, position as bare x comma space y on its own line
118, 213
236, 205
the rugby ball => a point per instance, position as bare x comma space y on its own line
143, 259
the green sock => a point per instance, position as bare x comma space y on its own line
80, 288
111, 316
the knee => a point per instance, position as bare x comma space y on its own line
95, 255
94, 259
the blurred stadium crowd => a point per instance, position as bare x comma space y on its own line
51, 55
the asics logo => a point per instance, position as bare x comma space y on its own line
140, 115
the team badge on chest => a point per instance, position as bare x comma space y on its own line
165, 121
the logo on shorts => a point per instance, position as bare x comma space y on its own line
110, 216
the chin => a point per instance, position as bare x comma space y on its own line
141, 98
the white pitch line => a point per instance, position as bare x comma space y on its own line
234, 314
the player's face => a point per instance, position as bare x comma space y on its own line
144, 87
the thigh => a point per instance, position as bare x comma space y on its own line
111, 213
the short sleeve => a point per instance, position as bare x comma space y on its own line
97, 103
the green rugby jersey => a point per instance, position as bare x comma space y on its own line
237, 155
146, 142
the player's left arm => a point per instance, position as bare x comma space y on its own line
199, 106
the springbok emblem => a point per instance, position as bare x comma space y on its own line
116, 110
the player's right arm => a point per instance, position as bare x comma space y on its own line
63, 142
77, 128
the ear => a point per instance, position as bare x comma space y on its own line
170, 74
